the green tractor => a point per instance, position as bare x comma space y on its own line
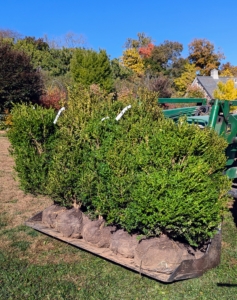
217, 115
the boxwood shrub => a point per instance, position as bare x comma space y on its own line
143, 173
32, 137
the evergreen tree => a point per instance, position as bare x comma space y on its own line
56, 62
91, 67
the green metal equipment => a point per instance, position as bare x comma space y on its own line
217, 115
182, 111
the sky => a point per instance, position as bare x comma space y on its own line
107, 24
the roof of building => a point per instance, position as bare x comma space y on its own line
210, 84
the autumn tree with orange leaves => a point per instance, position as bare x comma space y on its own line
146, 51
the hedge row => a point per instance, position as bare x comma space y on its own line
143, 173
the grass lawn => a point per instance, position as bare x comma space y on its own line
34, 266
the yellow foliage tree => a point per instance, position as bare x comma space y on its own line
226, 73
226, 91
230, 70
132, 60
186, 78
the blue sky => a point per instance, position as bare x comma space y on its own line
107, 24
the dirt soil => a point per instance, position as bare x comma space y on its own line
18, 205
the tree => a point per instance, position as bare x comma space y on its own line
56, 62
132, 60
119, 71
36, 49
19, 81
69, 40
142, 41
185, 79
136, 51
225, 91
226, 73
164, 56
178, 67
9, 34
160, 84
194, 92
91, 67
146, 51
202, 54
227, 70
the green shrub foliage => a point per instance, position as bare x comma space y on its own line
32, 137
71, 176
143, 173
91, 67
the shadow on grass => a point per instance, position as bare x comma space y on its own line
226, 284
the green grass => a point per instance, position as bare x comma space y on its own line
54, 270
21, 245
3, 220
